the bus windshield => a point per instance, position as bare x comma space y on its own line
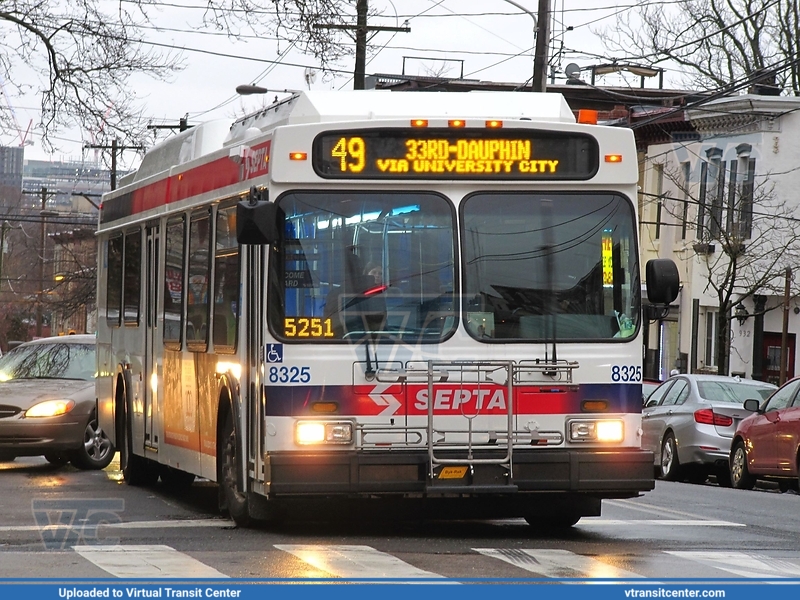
558, 266
355, 265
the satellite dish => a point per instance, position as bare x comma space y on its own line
573, 71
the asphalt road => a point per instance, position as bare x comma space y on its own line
61, 523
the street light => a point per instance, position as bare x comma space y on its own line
535, 29
247, 90
741, 313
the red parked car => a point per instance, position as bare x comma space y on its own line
766, 444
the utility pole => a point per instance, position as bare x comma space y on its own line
785, 330
3, 228
115, 148
42, 240
361, 28
542, 39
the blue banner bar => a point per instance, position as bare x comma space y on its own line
341, 589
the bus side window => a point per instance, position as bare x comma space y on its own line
226, 282
132, 277
173, 284
114, 281
199, 275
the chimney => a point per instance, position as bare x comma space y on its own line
764, 84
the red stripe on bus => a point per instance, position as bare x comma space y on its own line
217, 174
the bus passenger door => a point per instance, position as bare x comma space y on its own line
151, 280
253, 409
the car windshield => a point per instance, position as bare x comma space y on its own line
732, 391
49, 361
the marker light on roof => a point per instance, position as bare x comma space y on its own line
298, 156
614, 158
494, 124
419, 122
456, 123
587, 116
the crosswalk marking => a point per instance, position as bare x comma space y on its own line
557, 563
355, 562
743, 564
591, 521
147, 562
365, 562
166, 524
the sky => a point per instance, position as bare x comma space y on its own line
489, 40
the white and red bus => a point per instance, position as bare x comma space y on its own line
421, 296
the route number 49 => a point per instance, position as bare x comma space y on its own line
626, 373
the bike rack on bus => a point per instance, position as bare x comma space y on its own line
464, 449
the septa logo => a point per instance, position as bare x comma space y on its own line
462, 400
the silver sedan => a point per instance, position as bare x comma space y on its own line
47, 403
689, 420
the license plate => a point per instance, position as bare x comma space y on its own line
452, 472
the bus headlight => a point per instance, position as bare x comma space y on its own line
605, 430
320, 432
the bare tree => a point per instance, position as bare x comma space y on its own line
73, 290
745, 238
78, 58
716, 42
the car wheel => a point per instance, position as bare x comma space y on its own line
235, 501
97, 451
670, 465
741, 478
57, 459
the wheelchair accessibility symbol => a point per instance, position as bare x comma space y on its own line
274, 353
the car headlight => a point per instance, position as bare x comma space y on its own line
50, 408
600, 430
321, 432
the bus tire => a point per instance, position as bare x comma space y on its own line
136, 470
231, 499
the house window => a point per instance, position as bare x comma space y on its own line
747, 168
715, 184
711, 338
686, 170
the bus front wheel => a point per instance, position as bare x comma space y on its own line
136, 470
232, 499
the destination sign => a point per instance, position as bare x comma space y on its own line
520, 154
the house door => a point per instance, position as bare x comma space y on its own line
772, 357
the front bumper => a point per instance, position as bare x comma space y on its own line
600, 473
32, 437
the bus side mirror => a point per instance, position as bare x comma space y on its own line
257, 220
663, 281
